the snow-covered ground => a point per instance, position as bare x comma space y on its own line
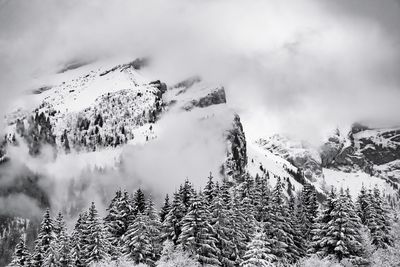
354, 181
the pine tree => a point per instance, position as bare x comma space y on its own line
363, 201
341, 233
117, 219
222, 225
96, 247
380, 234
154, 228
259, 253
280, 228
209, 190
187, 194
197, 235
138, 240
60, 227
44, 239
307, 211
21, 255
165, 209
172, 227
78, 242
138, 202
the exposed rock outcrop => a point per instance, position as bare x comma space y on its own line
236, 158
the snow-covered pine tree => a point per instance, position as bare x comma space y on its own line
307, 211
96, 246
138, 240
197, 235
21, 255
60, 227
117, 219
342, 237
259, 253
242, 225
221, 222
64, 250
172, 224
380, 235
209, 190
165, 209
43, 240
187, 194
78, 254
224, 191
320, 230
363, 201
138, 202
280, 228
154, 228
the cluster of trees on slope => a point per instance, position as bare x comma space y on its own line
247, 224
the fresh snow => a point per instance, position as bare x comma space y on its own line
354, 181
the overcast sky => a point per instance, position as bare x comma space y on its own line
294, 66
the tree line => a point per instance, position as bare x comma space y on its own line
251, 223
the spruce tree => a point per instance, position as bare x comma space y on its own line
44, 239
209, 190
138, 240
197, 235
78, 254
119, 212
154, 228
341, 233
280, 228
380, 234
172, 227
21, 255
96, 246
221, 222
259, 253
165, 209
138, 202
187, 194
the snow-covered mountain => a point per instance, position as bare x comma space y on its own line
365, 156
91, 112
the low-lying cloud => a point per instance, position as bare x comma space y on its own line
298, 67
309, 65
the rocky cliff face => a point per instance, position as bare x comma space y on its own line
236, 156
374, 151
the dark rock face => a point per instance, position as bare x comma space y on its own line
214, 98
236, 162
382, 148
330, 149
372, 150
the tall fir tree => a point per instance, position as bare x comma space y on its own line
381, 237
78, 254
21, 255
43, 240
117, 219
209, 190
172, 227
96, 246
165, 208
138, 240
341, 232
197, 235
138, 202
280, 228
259, 253
222, 225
